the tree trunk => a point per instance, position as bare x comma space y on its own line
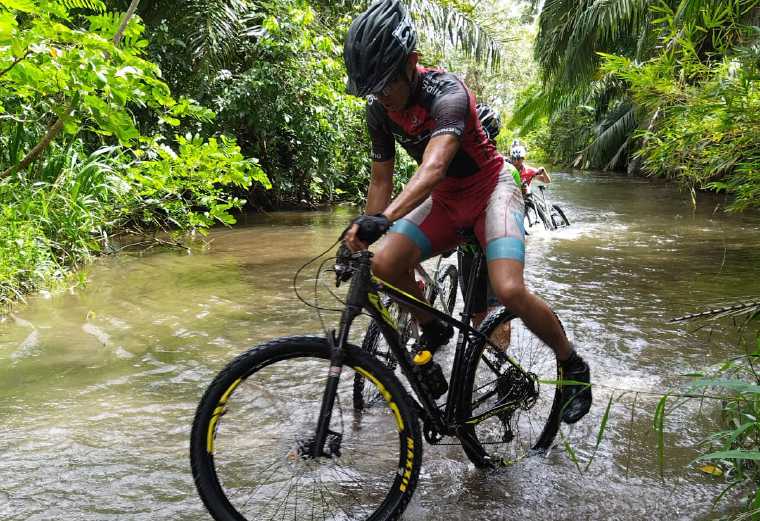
52, 132
123, 26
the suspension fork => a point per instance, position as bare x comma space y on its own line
357, 296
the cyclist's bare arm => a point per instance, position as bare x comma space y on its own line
543, 176
380, 186
435, 162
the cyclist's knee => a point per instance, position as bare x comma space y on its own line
511, 293
389, 267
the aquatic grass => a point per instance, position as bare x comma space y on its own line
71, 205
734, 450
658, 424
602, 429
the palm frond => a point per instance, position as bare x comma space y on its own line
612, 133
93, 5
215, 28
750, 308
571, 33
459, 30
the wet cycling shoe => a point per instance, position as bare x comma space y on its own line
435, 334
576, 398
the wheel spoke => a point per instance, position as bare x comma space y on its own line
512, 433
262, 461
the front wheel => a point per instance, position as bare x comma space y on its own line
253, 436
546, 219
529, 401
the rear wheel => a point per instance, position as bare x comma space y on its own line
374, 343
252, 439
448, 283
558, 217
531, 216
531, 420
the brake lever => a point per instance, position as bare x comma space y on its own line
343, 270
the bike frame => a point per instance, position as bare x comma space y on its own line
364, 294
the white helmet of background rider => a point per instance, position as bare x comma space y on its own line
518, 151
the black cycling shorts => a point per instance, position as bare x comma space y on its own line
483, 296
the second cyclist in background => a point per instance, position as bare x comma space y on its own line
517, 155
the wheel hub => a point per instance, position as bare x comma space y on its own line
303, 449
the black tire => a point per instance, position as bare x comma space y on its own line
544, 218
448, 283
558, 217
489, 377
255, 417
531, 217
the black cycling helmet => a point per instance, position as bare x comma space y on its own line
489, 119
377, 46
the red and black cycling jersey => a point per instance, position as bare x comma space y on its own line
439, 104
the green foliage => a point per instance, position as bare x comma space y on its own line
101, 177
187, 189
76, 204
281, 93
76, 73
670, 85
705, 123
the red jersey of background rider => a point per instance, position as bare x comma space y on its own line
439, 104
527, 173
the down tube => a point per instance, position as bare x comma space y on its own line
389, 330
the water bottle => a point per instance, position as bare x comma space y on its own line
430, 374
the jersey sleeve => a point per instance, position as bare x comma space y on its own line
528, 174
450, 111
383, 144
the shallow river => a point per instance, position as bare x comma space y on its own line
98, 386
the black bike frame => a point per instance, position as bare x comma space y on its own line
364, 294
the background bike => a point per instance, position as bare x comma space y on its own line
539, 210
275, 435
440, 289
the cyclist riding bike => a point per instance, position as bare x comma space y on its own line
483, 298
518, 153
462, 182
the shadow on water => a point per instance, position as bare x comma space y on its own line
98, 386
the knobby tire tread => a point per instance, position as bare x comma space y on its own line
247, 363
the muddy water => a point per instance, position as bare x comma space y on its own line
98, 386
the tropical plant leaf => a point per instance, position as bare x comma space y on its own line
461, 30
600, 434
612, 133
93, 5
658, 424
732, 454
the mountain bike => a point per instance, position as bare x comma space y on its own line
538, 209
440, 289
275, 436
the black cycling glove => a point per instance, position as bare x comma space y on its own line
372, 227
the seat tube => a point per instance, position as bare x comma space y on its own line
457, 370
